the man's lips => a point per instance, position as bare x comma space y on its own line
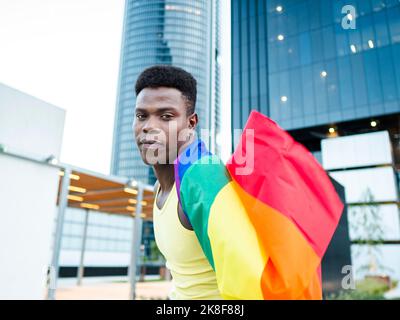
150, 144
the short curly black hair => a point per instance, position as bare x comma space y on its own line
172, 77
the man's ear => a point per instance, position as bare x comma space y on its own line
193, 120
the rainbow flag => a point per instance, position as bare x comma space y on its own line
265, 219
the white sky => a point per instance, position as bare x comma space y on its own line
66, 52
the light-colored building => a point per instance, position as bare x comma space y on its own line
364, 165
28, 192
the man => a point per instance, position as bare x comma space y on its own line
165, 123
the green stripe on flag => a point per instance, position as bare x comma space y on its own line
200, 186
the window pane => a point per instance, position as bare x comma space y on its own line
387, 74
345, 76
372, 77
360, 90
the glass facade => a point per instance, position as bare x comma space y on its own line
109, 237
180, 33
105, 232
322, 69
295, 61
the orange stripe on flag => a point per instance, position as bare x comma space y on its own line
291, 270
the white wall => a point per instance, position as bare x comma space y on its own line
28, 193
389, 259
368, 163
29, 124
357, 150
380, 181
389, 222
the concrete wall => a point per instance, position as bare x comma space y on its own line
28, 192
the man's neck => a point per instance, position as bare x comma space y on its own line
165, 175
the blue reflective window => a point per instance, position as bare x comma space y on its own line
355, 38
293, 52
261, 28
236, 87
262, 53
253, 55
377, 5
314, 9
359, 86
316, 44
284, 91
321, 99
381, 29
296, 95
236, 10
308, 90
394, 24
283, 55
272, 57
386, 69
244, 56
391, 3
332, 85
367, 31
326, 10
361, 70
291, 22
345, 79
254, 82
328, 38
396, 62
243, 9
303, 17
363, 7
245, 84
253, 29
274, 96
261, 8
263, 81
372, 77
252, 8
305, 48
342, 42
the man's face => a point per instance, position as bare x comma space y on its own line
161, 124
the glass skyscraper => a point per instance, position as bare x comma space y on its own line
321, 69
180, 33
298, 62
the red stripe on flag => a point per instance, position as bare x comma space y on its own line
289, 179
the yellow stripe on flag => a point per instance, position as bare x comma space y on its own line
233, 237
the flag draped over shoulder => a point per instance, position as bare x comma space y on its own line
265, 219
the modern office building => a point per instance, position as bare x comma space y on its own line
296, 61
180, 33
323, 69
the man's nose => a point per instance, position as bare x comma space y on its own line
150, 125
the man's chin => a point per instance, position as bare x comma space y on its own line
161, 158
154, 161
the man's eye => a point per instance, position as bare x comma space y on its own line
166, 117
140, 116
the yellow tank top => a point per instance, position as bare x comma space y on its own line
192, 274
